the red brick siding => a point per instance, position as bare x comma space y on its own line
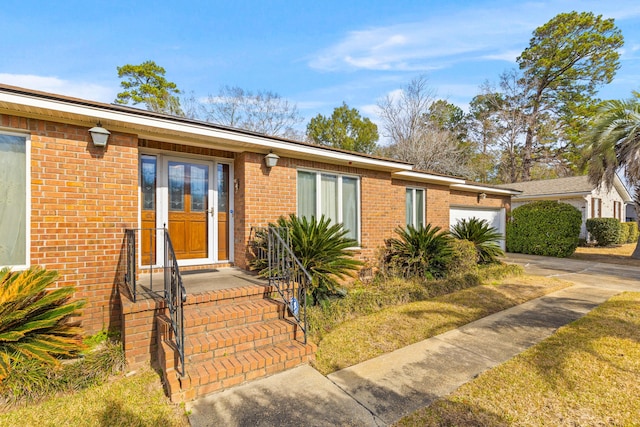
82, 199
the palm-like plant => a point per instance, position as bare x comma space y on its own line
321, 247
614, 144
34, 321
482, 235
423, 252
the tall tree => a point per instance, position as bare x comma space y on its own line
414, 137
262, 111
345, 129
614, 145
146, 84
568, 58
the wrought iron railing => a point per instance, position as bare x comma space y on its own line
175, 296
174, 292
286, 273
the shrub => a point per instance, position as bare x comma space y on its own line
485, 238
464, 258
605, 231
31, 380
423, 252
321, 247
34, 322
544, 228
624, 233
632, 227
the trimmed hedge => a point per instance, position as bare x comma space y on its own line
544, 228
624, 234
605, 231
632, 228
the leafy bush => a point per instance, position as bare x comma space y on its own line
321, 247
485, 238
624, 233
464, 258
31, 380
605, 231
544, 228
632, 228
34, 322
424, 252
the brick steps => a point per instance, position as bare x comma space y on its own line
231, 336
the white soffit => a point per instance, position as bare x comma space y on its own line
165, 129
483, 189
426, 177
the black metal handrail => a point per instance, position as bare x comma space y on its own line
287, 274
174, 294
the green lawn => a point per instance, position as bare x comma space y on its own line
395, 327
136, 400
587, 374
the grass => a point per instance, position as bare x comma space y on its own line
136, 400
388, 329
620, 254
588, 373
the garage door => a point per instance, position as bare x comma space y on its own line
495, 217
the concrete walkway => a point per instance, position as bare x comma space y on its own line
382, 390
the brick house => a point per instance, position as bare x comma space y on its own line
65, 204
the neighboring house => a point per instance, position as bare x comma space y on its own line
594, 201
66, 203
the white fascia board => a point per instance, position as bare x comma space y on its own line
143, 123
426, 177
482, 189
622, 189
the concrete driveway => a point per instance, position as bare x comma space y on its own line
598, 274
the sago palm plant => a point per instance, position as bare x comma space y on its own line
34, 321
423, 252
482, 235
321, 247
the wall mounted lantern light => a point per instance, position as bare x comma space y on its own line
99, 135
481, 197
271, 159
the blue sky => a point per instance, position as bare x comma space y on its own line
315, 53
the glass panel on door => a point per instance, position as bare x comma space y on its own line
188, 209
148, 182
223, 211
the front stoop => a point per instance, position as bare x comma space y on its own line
231, 336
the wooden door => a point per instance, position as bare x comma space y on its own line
188, 209
223, 211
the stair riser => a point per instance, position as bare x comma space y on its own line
227, 319
195, 356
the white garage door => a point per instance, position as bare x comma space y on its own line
495, 217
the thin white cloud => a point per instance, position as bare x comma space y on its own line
437, 42
89, 91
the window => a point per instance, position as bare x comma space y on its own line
335, 196
596, 208
617, 210
415, 207
13, 200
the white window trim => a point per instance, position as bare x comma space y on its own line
318, 173
414, 205
27, 234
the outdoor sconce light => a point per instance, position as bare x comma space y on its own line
271, 159
99, 135
481, 197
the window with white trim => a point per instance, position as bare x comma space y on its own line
333, 195
13, 200
415, 207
